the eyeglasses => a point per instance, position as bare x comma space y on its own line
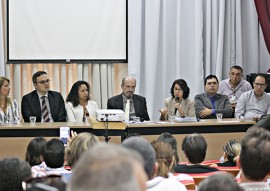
44, 81
177, 90
259, 85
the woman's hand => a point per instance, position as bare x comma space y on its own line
163, 114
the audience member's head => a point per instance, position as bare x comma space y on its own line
54, 153
211, 85
220, 181
165, 157
35, 150
12, 173
180, 84
169, 138
144, 147
109, 167
194, 147
78, 146
128, 86
232, 150
45, 183
255, 156
133, 135
74, 94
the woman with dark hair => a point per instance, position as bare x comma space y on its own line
35, 150
178, 104
9, 109
169, 138
78, 104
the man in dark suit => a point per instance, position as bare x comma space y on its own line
208, 104
46, 105
138, 106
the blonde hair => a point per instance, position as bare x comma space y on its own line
165, 157
232, 149
2, 80
79, 145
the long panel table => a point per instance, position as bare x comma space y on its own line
15, 138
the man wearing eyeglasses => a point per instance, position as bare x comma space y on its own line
44, 104
210, 103
234, 86
255, 103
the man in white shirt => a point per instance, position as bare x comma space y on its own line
255, 103
234, 86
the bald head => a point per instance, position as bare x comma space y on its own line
146, 150
128, 86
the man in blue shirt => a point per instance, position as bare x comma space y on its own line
208, 104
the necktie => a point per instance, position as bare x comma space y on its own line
127, 111
44, 110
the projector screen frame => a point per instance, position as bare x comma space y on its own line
67, 61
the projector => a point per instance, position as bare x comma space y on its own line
110, 115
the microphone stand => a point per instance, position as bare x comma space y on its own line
106, 134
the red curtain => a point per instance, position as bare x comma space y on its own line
263, 10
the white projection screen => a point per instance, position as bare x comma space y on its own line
66, 31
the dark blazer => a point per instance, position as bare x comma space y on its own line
31, 106
222, 103
182, 168
140, 107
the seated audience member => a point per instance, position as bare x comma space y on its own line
78, 104
108, 167
219, 182
194, 147
78, 146
46, 183
12, 173
35, 151
231, 152
178, 104
164, 157
137, 107
254, 159
208, 104
46, 105
53, 164
9, 109
234, 86
154, 183
255, 103
169, 138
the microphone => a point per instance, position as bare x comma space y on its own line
177, 100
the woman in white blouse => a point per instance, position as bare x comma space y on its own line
9, 110
78, 104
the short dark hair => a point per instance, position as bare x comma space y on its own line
54, 152
255, 155
260, 75
210, 77
73, 95
36, 75
219, 181
13, 171
169, 138
183, 85
35, 150
144, 147
237, 68
194, 146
